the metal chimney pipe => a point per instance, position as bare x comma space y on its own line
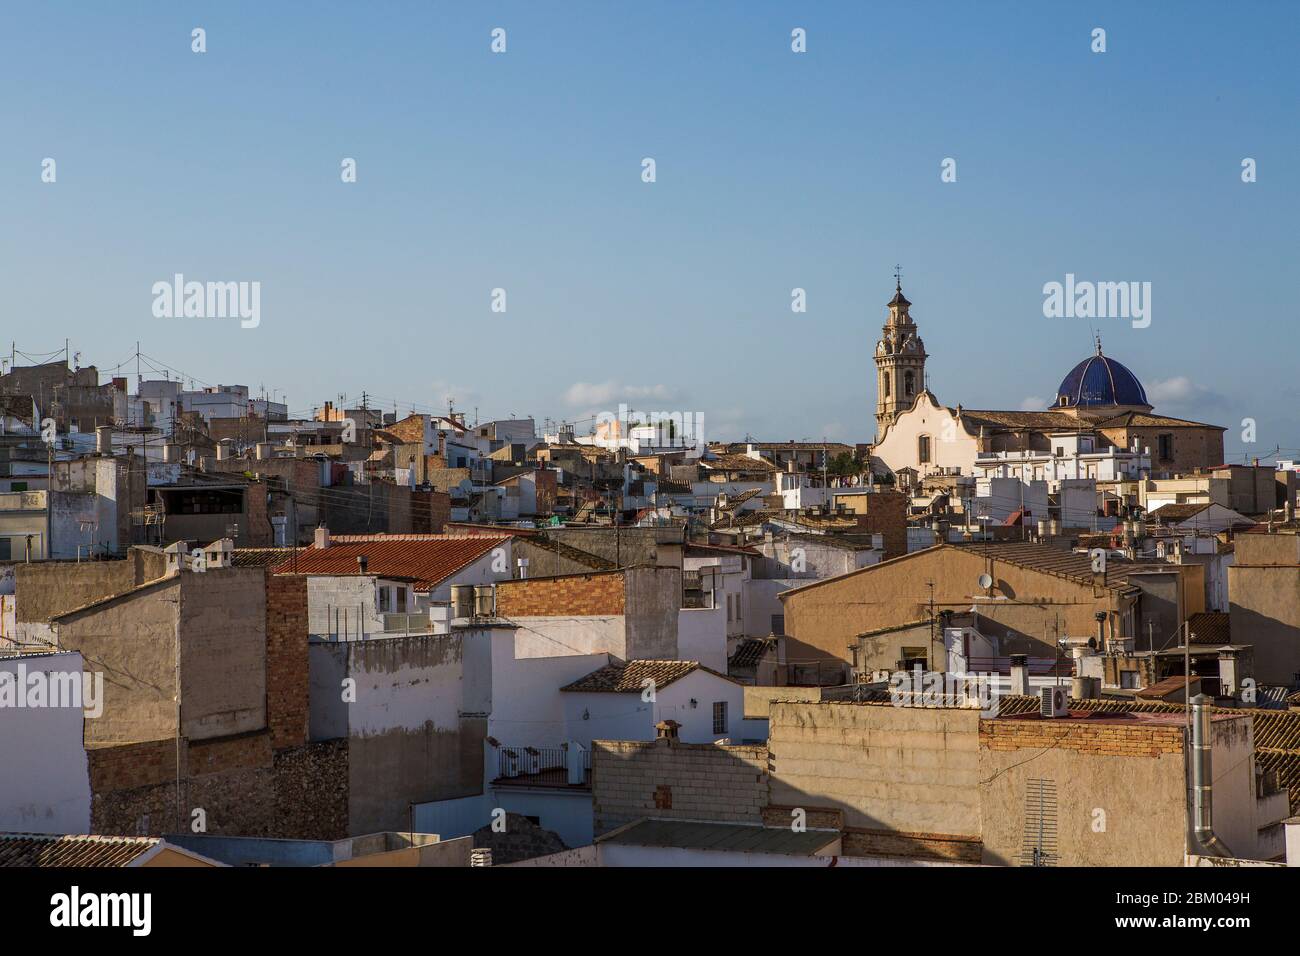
1202, 775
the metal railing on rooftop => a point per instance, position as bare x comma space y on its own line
543, 765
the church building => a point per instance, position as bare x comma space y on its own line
1099, 405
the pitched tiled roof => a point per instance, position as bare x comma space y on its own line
427, 558
1072, 565
627, 677
33, 849
594, 561
751, 650
1172, 512
1210, 627
1141, 419
745, 519
1036, 421
734, 501
1169, 687
730, 462
259, 557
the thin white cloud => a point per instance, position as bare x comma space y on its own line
585, 394
1033, 404
1180, 390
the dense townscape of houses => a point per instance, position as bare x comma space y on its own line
1057, 637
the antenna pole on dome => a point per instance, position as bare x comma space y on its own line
1098, 343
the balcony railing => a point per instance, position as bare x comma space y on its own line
543, 766
1038, 666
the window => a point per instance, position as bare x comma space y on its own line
923, 449
1166, 443
778, 623
911, 656
18, 486
720, 717
884, 384
6, 548
909, 384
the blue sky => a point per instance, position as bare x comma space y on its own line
775, 170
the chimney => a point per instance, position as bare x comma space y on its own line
223, 450
262, 450
1100, 617
1202, 777
1233, 670
1020, 674
104, 439
362, 564
523, 569
322, 539
666, 730
171, 453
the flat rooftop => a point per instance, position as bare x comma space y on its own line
729, 837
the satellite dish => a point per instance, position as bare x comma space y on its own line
986, 581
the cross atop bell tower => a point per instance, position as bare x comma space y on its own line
900, 360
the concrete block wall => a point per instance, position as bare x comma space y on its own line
575, 595
635, 779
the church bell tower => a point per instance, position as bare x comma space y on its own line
900, 362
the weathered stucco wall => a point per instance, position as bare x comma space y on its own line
1264, 587
911, 769
407, 739
1120, 790
823, 620
132, 641
223, 652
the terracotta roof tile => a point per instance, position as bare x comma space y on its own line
627, 677
728, 462
33, 849
1210, 627
1172, 512
429, 559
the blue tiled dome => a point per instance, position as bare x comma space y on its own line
1099, 380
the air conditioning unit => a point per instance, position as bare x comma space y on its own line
1054, 701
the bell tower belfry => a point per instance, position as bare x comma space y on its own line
900, 361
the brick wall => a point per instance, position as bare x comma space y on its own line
580, 594
430, 511
287, 684
885, 513
257, 533
1142, 740
634, 779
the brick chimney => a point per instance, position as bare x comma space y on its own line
666, 730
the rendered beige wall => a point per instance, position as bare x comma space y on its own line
901, 768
